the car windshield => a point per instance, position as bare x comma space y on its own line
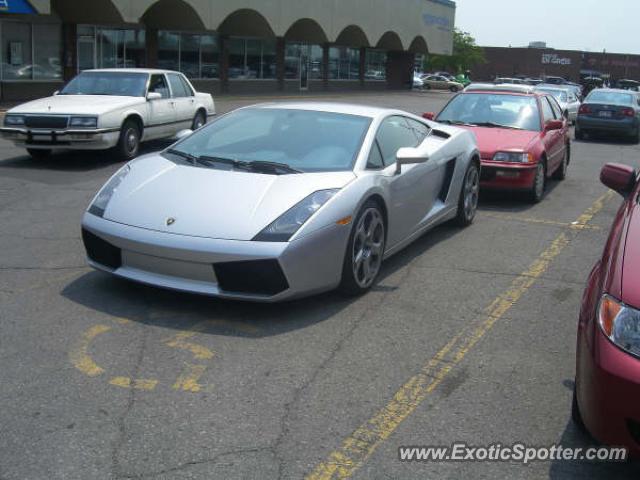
613, 98
304, 140
560, 95
126, 84
495, 110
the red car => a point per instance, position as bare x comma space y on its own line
607, 389
523, 136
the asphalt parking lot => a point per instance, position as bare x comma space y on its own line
469, 336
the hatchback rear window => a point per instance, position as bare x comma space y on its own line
615, 98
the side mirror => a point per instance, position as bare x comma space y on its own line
154, 96
409, 156
183, 134
429, 115
56, 93
618, 177
553, 125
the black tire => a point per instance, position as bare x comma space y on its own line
579, 134
426, 86
561, 172
536, 194
353, 281
469, 195
199, 120
576, 416
39, 154
129, 141
453, 89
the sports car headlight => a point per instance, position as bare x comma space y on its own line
99, 204
283, 228
514, 157
620, 323
14, 120
83, 122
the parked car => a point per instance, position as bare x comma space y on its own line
522, 135
533, 81
626, 84
102, 109
566, 98
417, 81
555, 80
438, 82
250, 204
610, 111
509, 80
607, 384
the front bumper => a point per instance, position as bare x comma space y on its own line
627, 126
74, 139
507, 176
608, 388
309, 265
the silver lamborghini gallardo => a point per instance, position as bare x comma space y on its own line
279, 201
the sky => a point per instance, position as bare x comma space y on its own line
591, 25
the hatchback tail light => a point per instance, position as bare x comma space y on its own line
584, 109
628, 112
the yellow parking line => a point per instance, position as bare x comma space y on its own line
573, 225
138, 383
180, 341
188, 380
361, 444
79, 355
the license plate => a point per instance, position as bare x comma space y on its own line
42, 137
605, 113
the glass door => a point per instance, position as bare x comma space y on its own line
304, 69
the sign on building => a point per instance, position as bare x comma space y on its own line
555, 59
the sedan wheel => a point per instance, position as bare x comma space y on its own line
129, 142
364, 254
199, 121
539, 183
468, 203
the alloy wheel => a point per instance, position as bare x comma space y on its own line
368, 247
471, 193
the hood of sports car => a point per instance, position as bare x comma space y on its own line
77, 104
161, 195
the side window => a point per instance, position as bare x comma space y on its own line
375, 160
420, 130
186, 85
158, 84
557, 111
547, 112
177, 87
394, 134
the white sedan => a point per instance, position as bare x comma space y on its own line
110, 108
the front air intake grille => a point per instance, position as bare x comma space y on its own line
101, 251
262, 277
42, 121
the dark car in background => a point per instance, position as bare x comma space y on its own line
610, 111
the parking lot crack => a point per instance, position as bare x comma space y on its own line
121, 435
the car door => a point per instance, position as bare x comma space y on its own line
410, 191
162, 111
553, 139
184, 101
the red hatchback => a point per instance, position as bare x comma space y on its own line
522, 136
607, 393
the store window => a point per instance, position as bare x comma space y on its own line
295, 53
375, 65
252, 58
31, 51
195, 55
344, 63
100, 47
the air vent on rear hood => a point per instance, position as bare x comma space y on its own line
440, 133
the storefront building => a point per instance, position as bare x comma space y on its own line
240, 46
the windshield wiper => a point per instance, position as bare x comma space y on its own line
271, 166
255, 165
457, 122
496, 125
184, 155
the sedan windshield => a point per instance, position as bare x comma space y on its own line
560, 95
295, 140
612, 98
124, 84
492, 110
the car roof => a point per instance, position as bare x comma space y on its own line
333, 107
131, 70
614, 90
501, 88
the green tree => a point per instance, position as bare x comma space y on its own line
466, 54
